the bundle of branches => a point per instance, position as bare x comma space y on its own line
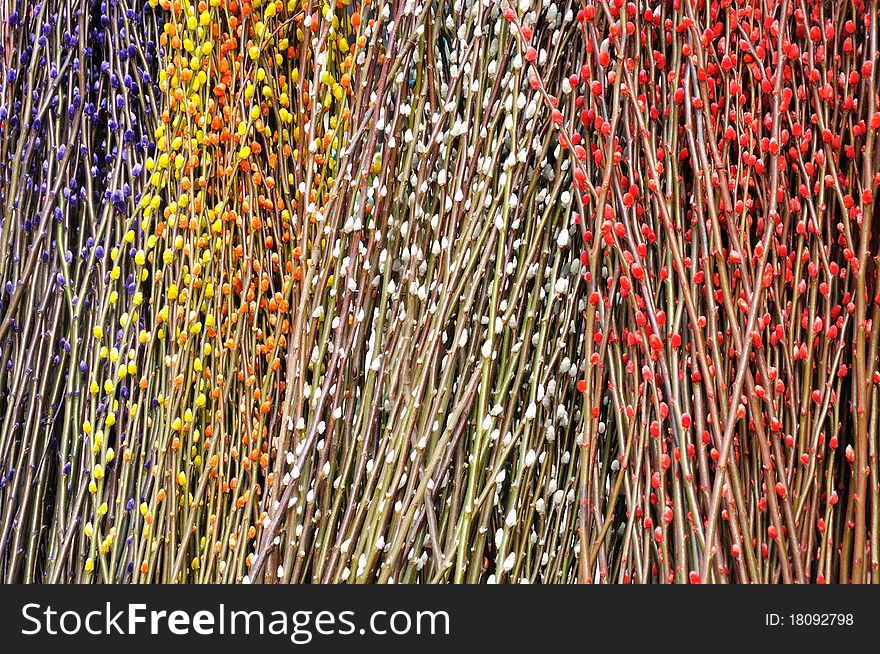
450, 291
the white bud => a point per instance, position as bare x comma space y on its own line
509, 562
510, 520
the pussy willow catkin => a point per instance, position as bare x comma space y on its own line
450, 291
